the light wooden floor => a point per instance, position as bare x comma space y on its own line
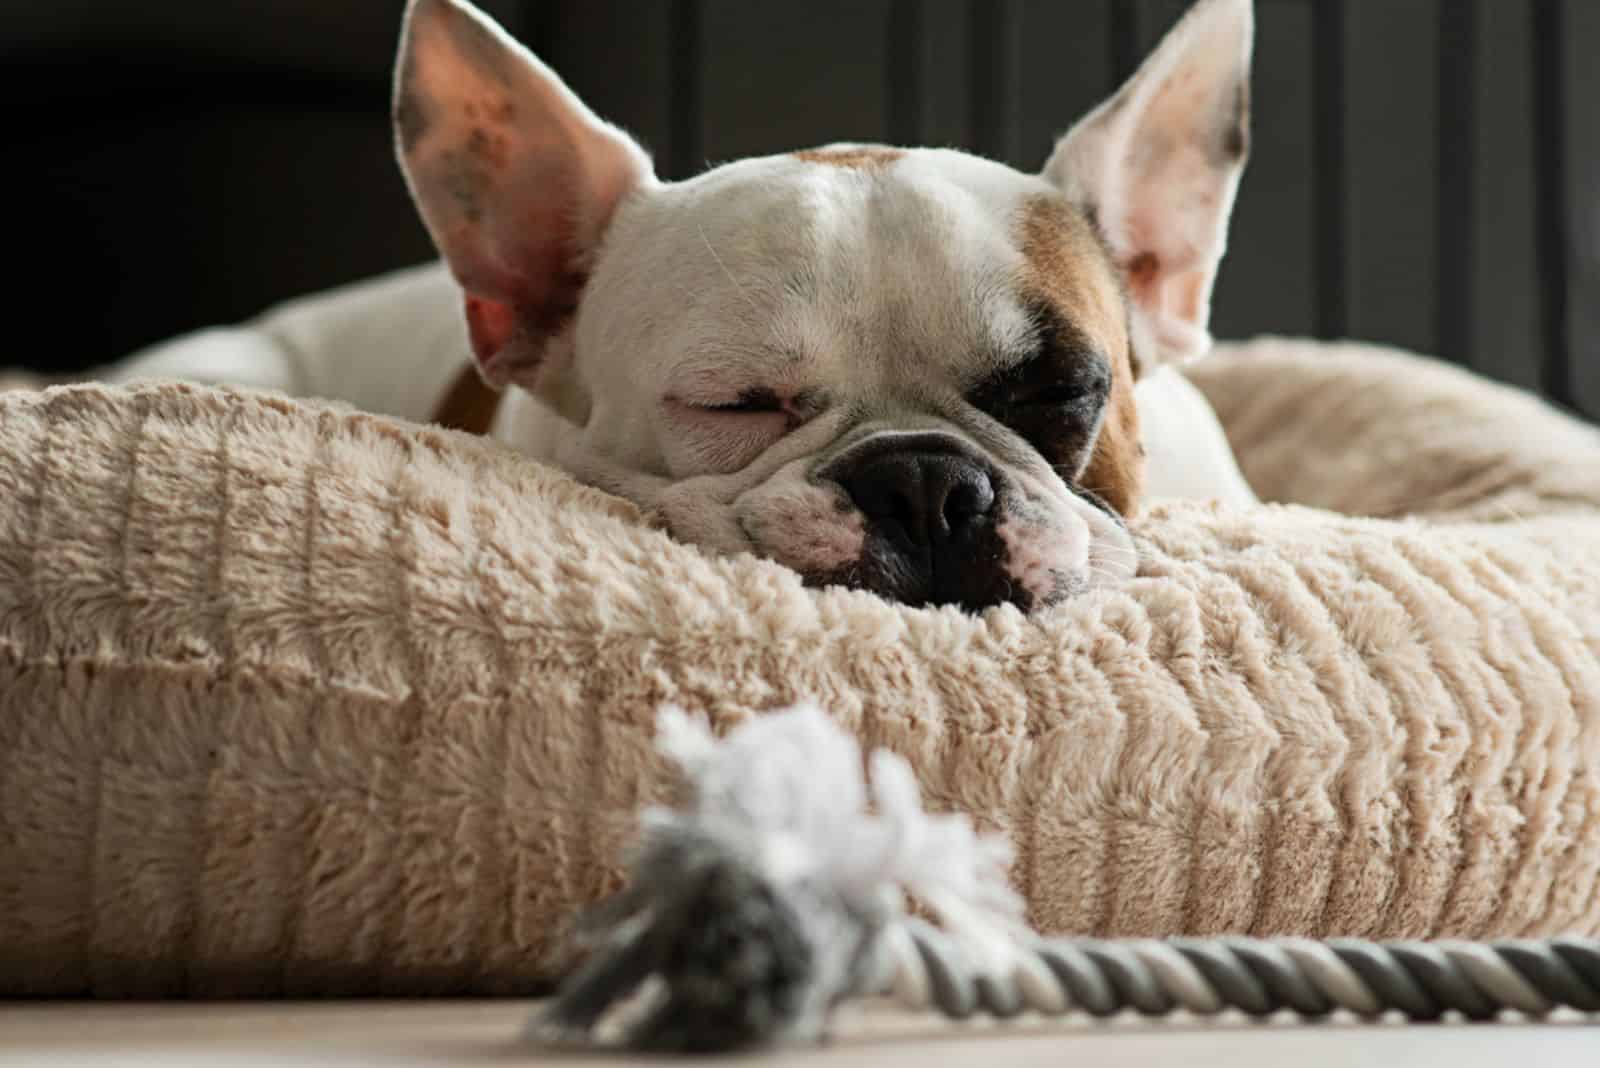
467, 1033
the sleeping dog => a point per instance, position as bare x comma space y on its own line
908, 370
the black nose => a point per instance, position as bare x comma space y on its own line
932, 500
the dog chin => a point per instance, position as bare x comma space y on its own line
1028, 589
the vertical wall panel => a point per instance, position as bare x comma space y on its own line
1154, 18
911, 72
778, 77
1552, 196
1505, 337
1456, 146
1329, 69
1066, 71
1268, 284
1583, 195
949, 86
1124, 41
610, 52
687, 86
512, 14
1389, 126
995, 44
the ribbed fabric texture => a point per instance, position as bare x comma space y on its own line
295, 700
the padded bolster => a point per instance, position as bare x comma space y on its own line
295, 700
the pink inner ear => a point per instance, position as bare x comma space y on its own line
1144, 277
515, 178
490, 325
509, 341
1163, 289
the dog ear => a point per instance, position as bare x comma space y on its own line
516, 181
1157, 167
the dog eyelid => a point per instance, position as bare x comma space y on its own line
749, 401
800, 406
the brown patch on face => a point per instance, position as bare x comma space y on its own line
864, 158
1069, 268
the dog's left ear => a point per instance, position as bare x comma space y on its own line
515, 178
1158, 165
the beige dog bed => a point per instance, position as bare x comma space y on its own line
298, 700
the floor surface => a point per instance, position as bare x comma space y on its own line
467, 1033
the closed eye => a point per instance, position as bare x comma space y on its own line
750, 402
1042, 384
1059, 395
1055, 401
723, 433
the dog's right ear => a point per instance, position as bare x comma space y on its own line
515, 178
1158, 166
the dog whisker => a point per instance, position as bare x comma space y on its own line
737, 288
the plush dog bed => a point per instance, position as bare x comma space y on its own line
298, 700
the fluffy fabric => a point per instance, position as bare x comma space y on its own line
297, 700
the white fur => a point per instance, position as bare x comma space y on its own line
1041, 556
799, 521
389, 345
1186, 452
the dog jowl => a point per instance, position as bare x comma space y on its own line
908, 370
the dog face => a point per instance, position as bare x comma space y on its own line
905, 370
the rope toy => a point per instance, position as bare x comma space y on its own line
781, 886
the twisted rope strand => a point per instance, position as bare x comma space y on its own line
927, 969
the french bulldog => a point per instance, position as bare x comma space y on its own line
906, 370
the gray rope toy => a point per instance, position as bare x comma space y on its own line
779, 889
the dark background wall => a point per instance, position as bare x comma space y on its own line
183, 163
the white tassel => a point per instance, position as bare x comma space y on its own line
777, 889
793, 779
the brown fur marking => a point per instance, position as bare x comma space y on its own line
470, 405
865, 158
1069, 268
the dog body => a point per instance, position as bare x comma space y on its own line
909, 370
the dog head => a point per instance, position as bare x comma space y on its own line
908, 370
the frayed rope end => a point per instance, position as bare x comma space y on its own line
760, 903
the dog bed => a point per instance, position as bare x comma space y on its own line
297, 700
